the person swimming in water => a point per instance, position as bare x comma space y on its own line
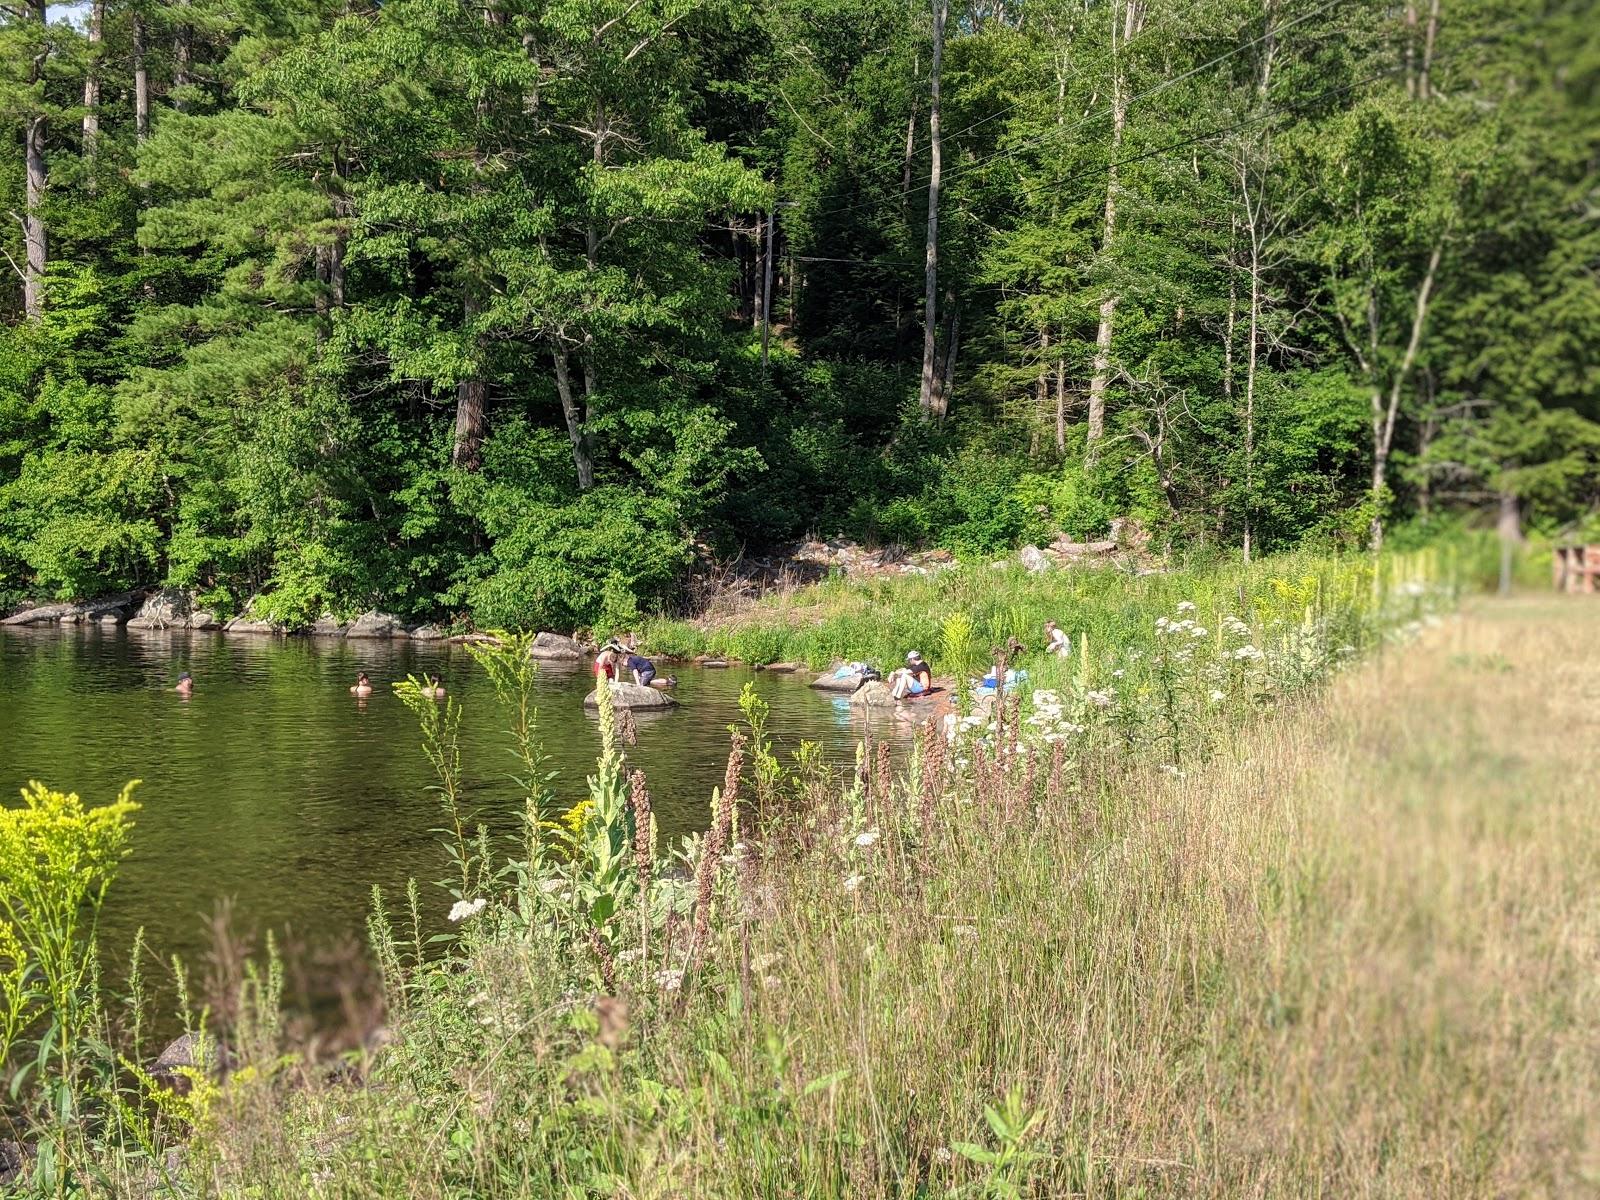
362, 687
434, 687
185, 685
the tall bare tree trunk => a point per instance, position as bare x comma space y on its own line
182, 55
576, 432
1101, 375
1254, 217
34, 235
901, 319
91, 91
471, 400
766, 286
1425, 80
930, 316
1384, 413
1061, 405
141, 83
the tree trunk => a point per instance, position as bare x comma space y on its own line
1425, 80
1250, 383
1061, 405
141, 83
34, 235
576, 434
930, 377
182, 53
1383, 415
1509, 527
1101, 375
766, 287
91, 91
471, 397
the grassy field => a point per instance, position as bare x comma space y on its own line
1352, 949
880, 618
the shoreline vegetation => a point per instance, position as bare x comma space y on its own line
1148, 924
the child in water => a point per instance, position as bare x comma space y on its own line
363, 687
185, 685
434, 687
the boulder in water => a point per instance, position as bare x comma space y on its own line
326, 625
249, 625
165, 609
631, 695
204, 620
873, 694
427, 633
832, 680
376, 626
556, 647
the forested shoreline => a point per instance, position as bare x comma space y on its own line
507, 313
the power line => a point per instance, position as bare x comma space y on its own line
1087, 118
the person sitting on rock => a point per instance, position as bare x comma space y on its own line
185, 685
362, 688
644, 671
1056, 640
913, 679
605, 663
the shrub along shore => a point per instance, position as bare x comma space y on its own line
1058, 947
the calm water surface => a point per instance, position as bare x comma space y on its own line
276, 790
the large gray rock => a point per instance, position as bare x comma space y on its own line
873, 694
556, 647
249, 625
376, 625
327, 625
186, 1053
631, 695
72, 612
831, 681
1034, 559
168, 608
204, 620
427, 633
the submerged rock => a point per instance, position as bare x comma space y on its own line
556, 647
781, 668
631, 695
376, 625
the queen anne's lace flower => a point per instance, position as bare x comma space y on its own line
462, 909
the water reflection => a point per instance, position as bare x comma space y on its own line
274, 786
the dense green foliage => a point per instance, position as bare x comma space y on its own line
456, 310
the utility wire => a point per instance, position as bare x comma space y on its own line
1086, 119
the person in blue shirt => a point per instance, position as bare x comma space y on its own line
644, 671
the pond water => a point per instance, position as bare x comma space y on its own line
275, 790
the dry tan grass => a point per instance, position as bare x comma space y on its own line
1354, 953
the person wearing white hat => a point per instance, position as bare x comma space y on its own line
913, 679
